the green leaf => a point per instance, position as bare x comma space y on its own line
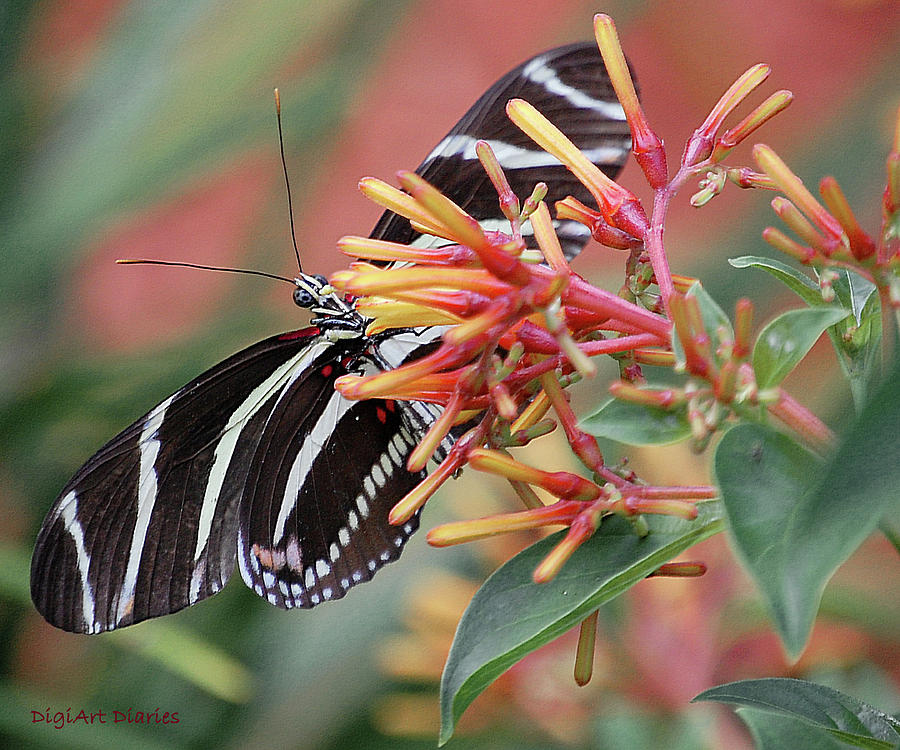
842, 716
511, 616
764, 479
795, 518
636, 424
785, 341
853, 291
798, 282
776, 732
857, 339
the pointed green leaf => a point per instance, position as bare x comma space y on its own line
795, 518
799, 283
783, 342
636, 424
846, 718
764, 478
776, 732
857, 340
510, 615
853, 291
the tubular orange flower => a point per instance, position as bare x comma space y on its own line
548, 241
458, 532
465, 230
794, 189
563, 484
792, 216
439, 430
581, 529
387, 196
743, 324
700, 145
618, 205
645, 144
532, 414
861, 245
417, 497
388, 314
572, 208
666, 398
584, 654
744, 177
369, 281
654, 357
680, 570
380, 250
509, 202
780, 241
756, 119
680, 508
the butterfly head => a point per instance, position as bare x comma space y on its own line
313, 292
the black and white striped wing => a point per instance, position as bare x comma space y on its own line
149, 524
571, 87
313, 521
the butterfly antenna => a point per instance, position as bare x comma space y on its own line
143, 261
287, 182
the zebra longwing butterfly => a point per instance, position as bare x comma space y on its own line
259, 460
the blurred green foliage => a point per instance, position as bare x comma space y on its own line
166, 91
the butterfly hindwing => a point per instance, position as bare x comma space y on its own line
314, 520
325, 473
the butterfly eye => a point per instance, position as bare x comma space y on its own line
321, 279
303, 298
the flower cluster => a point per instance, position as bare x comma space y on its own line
518, 330
522, 326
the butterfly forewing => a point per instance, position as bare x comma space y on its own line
259, 459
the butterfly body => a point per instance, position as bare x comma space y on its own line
259, 462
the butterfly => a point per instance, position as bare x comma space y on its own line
259, 461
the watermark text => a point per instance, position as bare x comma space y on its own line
71, 716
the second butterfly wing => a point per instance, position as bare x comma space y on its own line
571, 87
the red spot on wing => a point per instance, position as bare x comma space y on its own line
301, 334
327, 370
390, 405
381, 414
